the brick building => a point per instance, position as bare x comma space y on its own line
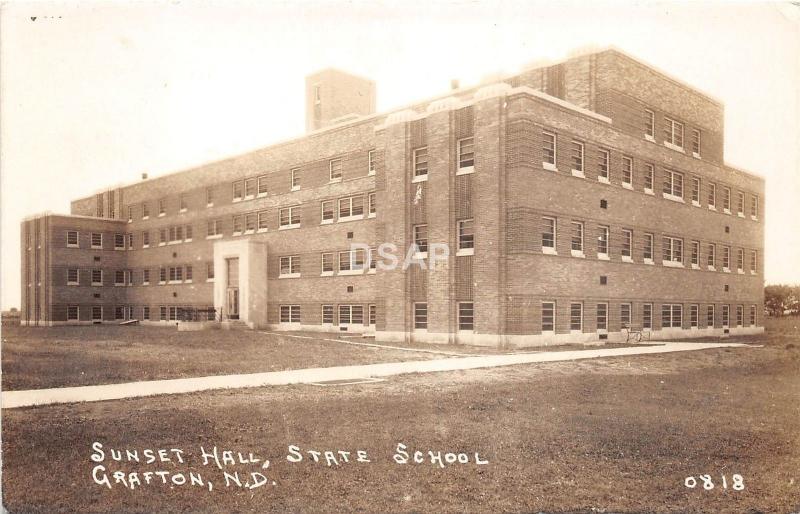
575, 198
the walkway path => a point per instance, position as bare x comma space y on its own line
13, 399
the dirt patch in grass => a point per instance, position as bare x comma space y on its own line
615, 434
36, 358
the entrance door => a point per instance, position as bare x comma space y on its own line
233, 287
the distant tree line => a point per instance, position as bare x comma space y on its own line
782, 299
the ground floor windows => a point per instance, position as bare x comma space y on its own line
466, 315
752, 315
290, 314
671, 315
351, 315
373, 315
647, 315
625, 315
145, 312
726, 312
710, 316
97, 313
548, 316
576, 317
421, 316
694, 315
739, 315
327, 314
72, 313
602, 316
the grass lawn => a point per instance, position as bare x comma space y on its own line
37, 358
615, 435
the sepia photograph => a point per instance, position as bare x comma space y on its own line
373, 256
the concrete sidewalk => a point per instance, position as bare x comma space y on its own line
13, 399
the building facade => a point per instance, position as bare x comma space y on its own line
574, 200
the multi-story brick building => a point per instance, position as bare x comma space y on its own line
576, 198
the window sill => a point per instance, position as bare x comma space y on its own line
752, 272
251, 231
295, 188
754, 218
420, 255
130, 221
161, 215
119, 249
674, 147
236, 200
261, 230
577, 253
145, 283
465, 251
371, 271
740, 214
162, 244
740, 271
73, 284
371, 173
326, 222
695, 203
572, 331
627, 185
161, 283
335, 180
73, 246
145, 246
97, 284
419, 178
650, 138
249, 197
726, 211
261, 195
209, 205
289, 227
604, 180
696, 155
672, 264
290, 275
626, 258
467, 170
577, 173
183, 210
649, 262
209, 280
726, 270
175, 282
549, 251
712, 268
326, 274
355, 217
215, 236
174, 242
188, 281
187, 240
695, 266
603, 257
351, 272
549, 167
649, 192
372, 215
145, 218
712, 208
673, 198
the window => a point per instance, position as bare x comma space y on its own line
238, 224
214, 228
726, 199
262, 185
577, 237
603, 164
694, 315
352, 260
352, 206
371, 162
671, 315
327, 211
289, 217
145, 277
726, 312
711, 259
421, 238
162, 207
351, 314
673, 133
710, 316
627, 171
373, 314
548, 316
290, 266
647, 254
753, 261
188, 273
602, 316
119, 312
209, 271
290, 314
576, 317
625, 314
739, 315
647, 315
184, 204
327, 314
250, 187
72, 239
466, 155
696, 142
335, 167
752, 315
119, 278
421, 316
549, 150
648, 177
145, 210
176, 274
146, 312
162, 311
295, 179
238, 190
72, 313
262, 221
72, 277
649, 124
372, 201
97, 313
97, 240
162, 275
466, 316
466, 236
673, 184
162, 236
754, 206
249, 222
373, 259
209, 196
130, 241
602, 241
672, 250
696, 190
577, 158
627, 244
145, 239
740, 204
726, 258
327, 263
97, 277
549, 234
695, 257
740, 260
421, 162
712, 196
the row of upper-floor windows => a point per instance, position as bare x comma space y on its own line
674, 184
245, 189
465, 159
673, 133
126, 277
632, 247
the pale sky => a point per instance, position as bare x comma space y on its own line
93, 94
